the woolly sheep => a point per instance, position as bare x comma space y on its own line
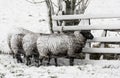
62, 44
30, 48
14, 38
16, 46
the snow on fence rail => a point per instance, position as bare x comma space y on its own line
105, 39
87, 49
102, 50
82, 16
86, 27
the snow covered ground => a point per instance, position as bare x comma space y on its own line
20, 13
104, 69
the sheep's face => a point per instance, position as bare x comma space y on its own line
87, 34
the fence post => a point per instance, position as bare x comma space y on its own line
104, 34
87, 55
86, 22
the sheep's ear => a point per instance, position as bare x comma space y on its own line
77, 32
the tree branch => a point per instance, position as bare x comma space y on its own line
87, 2
54, 4
78, 3
33, 2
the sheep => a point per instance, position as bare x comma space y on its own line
62, 45
29, 46
16, 46
14, 41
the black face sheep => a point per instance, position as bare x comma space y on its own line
62, 44
30, 47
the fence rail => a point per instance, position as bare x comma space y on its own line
101, 50
69, 17
102, 40
105, 39
87, 27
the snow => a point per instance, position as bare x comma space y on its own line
103, 7
9, 68
20, 13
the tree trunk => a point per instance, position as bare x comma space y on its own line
50, 12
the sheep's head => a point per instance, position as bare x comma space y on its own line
87, 34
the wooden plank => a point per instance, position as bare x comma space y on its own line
102, 45
87, 27
82, 16
101, 50
105, 39
102, 63
86, 22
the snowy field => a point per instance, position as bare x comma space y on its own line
106, 69
20, 13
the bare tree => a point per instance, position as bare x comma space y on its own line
68, 9
50, 13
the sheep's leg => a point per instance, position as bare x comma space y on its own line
55, 59
71, 61
36, 59
23, 59
48, 63
40, 61
28, 61
19, 59
13, 55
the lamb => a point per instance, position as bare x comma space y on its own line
14, 40
62, 45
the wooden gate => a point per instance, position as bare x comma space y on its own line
88, 50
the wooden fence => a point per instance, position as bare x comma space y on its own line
88, 50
